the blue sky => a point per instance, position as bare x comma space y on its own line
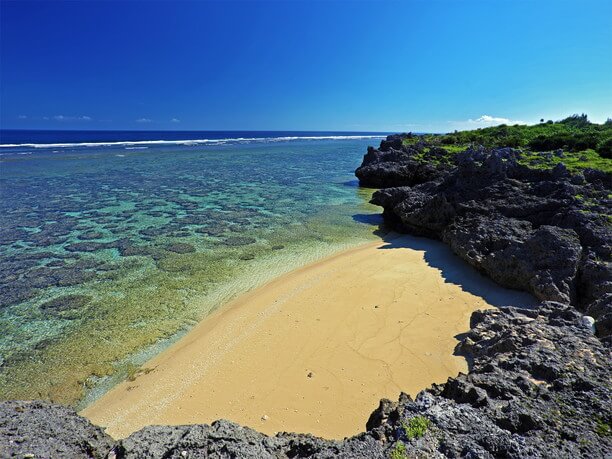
389, 66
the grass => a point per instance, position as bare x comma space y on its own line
452, 149
413, 428
603, 428
416, 427
574, 161
399, 451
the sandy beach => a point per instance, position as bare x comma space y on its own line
314, 350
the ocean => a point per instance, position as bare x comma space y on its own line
115, 243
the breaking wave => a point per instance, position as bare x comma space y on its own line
189, 142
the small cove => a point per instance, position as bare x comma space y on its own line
314, 350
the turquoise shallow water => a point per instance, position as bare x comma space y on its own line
111, 252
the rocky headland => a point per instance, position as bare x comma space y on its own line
545, 231
539, 379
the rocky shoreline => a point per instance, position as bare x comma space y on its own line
543, 231
539, 382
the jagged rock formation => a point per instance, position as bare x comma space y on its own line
543, 231
539, 381
395, 165
44, 430
537, 389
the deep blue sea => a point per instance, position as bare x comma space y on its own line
115, 243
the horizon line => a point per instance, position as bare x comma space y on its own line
198, 130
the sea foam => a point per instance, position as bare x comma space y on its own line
189, 142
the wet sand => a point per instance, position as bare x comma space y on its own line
314, 350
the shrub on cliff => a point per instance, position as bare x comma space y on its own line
579, 121
604, 148
568, 141
572, 134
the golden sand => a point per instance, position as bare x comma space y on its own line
316, 349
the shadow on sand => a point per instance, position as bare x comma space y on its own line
452, 268
456, 271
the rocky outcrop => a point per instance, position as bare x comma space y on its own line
44, 430
395, 164
543, 231
543, 261
537, 388
224, 439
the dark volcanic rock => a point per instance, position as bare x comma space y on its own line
224, 439
538, 384
43, 430
543, 261
543, 231
537, 388
395, 166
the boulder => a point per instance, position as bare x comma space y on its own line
43, 430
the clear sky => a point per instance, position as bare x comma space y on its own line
390, 66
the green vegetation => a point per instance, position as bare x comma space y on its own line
399, 451
603, 428
416, 427
574, 161
574, 141
413, 428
